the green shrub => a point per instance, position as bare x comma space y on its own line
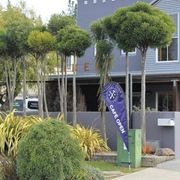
89, 173
48, 151
90, 140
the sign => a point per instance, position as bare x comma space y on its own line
114, 97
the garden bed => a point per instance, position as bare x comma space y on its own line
153, 160
146, 160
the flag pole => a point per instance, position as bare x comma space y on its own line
129, 160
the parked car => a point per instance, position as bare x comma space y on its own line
31, 104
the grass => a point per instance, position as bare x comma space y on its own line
107, 166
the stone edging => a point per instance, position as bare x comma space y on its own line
153, 160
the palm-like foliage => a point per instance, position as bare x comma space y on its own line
12, 129
104, 59
90, 140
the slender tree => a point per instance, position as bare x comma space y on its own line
72, 8
144, 26
114, 25
18, 26
73, 41
56, 23
41, 43
103, 63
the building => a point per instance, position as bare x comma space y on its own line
162, 65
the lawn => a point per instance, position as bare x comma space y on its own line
107, 166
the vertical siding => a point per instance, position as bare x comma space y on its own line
152, 67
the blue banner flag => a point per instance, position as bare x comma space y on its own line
114, 97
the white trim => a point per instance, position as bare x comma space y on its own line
133, 53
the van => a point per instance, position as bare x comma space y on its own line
31, 104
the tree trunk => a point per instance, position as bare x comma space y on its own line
62, 76
44, 87
103, 116
8, 85
24, 87
143, 98
74, 93
14, 80
65, 92
103, 113
39, 89
59, 85
127, 89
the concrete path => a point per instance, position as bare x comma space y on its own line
173, 165
169, 170
152, 174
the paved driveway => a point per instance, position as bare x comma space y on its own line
169, 170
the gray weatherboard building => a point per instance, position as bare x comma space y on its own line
162, 65
162, 71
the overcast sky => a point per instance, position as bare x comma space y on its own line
44, 8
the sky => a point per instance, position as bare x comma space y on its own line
44, 8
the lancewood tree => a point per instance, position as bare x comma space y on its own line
114, 27
40, 44
56, 23
144, 26
72, 40
103, 63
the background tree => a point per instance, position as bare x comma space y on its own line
56, 23
103, 63
41, 43
144, 26
73, 41
17, 27
72, 8
3, 46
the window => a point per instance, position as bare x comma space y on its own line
170, 52
68, 62
18, 105
103, 1
130, 53
32, 105
136, 100
94, 1
85, 2
164, 101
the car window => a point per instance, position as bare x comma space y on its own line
32, 105
18, 105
